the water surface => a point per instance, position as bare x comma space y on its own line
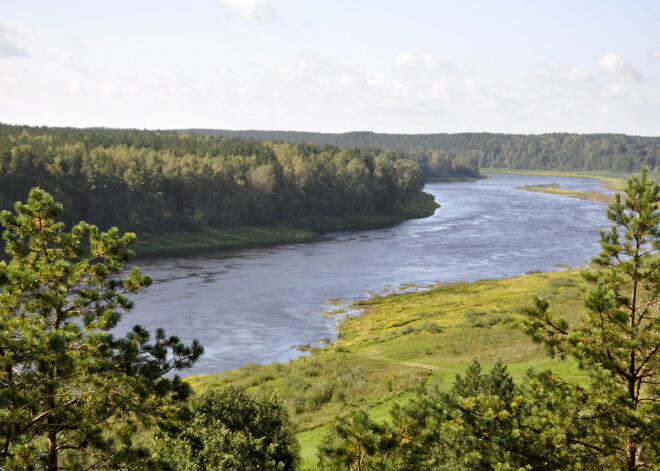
253, 305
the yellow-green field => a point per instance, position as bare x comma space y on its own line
402, 340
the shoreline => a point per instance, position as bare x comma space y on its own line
201, 239
611, 181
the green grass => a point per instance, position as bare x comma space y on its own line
206, 238
402, 340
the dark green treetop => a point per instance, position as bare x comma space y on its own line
228, 429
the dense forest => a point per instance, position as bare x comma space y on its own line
159, 180
566, 152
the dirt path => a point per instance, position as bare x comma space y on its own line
378, 356
417, 365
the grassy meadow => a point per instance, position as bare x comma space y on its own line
402, 341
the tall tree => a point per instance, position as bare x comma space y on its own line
71, 394
618, 342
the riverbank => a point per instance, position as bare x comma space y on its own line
401, 341
454, 179
556, 189
200, 238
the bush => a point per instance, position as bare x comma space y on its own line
430, 327
231, 430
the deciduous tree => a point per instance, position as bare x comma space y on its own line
230, 430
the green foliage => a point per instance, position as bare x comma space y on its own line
618, 342
356, 442
459, 155
482, 422
71, 394
230, 430
155, 181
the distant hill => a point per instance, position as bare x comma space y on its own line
558, 151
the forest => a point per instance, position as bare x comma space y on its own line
617, 153
164, 181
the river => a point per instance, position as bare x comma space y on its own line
254, 304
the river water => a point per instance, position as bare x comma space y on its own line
253, 305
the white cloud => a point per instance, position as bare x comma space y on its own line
253, 10
577, 74
419, 60
472, 85
44, 45
654, 55
9, 47
560, 75
353, 92
615, 67
313, 73
616, 91
411, 59
440, 90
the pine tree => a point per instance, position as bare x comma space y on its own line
618, 342
71, 394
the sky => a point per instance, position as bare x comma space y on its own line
413, 66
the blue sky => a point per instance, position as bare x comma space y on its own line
388, 66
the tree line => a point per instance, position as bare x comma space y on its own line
163, 180
558, 151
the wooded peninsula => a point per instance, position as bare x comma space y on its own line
182, 186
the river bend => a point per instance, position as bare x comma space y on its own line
254, 304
